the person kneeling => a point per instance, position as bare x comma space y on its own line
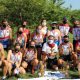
66, 53
30, 60
49, 53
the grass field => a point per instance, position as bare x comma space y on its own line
73, 75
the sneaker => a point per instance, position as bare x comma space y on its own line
56, 68
4, 77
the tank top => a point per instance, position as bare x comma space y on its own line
65, 49
4, 37
30, 55
21, 41
38, 38
15, 58
64, 29
44, 30
26, 31
55, 34
4, 34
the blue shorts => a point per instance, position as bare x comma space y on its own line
5, 43
13, 66
44, 40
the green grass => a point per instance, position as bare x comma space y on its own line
70, 37
73, 75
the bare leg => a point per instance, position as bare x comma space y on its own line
5, 69
9, 68
34, 63
22, 70
24, 64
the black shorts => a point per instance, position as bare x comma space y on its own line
74, 44
28, 62
51, 62
38, 46
30, 65
13, 66
66, 57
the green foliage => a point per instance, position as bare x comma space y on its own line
34, 10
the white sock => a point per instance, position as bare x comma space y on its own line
16, 71
3, 77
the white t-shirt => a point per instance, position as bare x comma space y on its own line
48, 49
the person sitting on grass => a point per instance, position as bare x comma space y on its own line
30, 60
14, 59
49, 53
3, 62
66, 53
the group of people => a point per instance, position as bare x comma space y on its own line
51, 46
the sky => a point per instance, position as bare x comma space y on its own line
75, 4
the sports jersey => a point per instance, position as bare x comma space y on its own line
47, 49
30, 55
64, 29
4, 37
76, 33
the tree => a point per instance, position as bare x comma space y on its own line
34, 10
